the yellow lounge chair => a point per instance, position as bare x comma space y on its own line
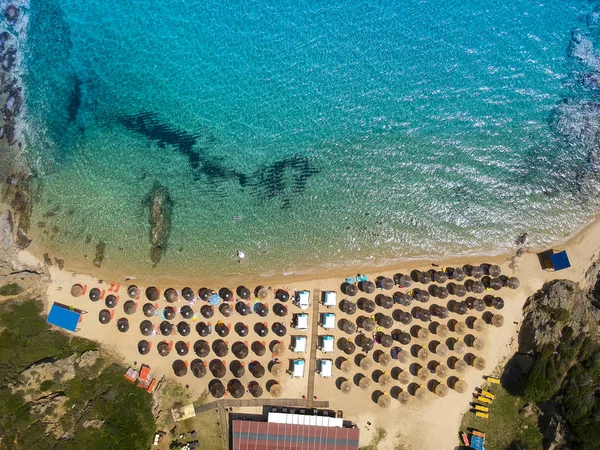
488, 395
484, 399
493, 380
482, 415
482, 408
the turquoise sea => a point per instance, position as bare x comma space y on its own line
309, 134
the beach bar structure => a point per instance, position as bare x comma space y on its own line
298, 431
554, 261
64, 317
325, 368
303, 300
300, 321
328, 321
326, 343
298, 366
329, 299
299, 345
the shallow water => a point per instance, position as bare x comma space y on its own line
309, 135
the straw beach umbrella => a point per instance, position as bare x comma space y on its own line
241, 329
220, 348
440, 277
95, 294
441, 390
346, 366
405, 318
439, 291
478, 325
243, 292
385, 359
201, 348
261, 329
386, 284
198, 368
237, 369
403, 338
169, 313
277, 370
77, 290
110, 301
104, 316
257, 369
477, 287
440, 311
402, 356
421, 393
255, 389
163, 348
386, 321
442, 330
512, 283
347, 327
152, 294
280, 310
457, 290
216, 388
181, 348
494, 271
423, 334
149, 309
171, 295
497, 303
420, 295
183, 328
384, 301
497, 320
423, 315
402, 298
459, 347
496, 284
179, 368
347, 346
225, 294
263, 293
239, 349
403, 377
423, 373
348, 307
366, 363
282, 295
441, 370
384, 401
350, 289
460, 366
368, 324
386, 340
479, 344
403, 397
441, 349
424, 278
367, 287
203, 329
364, 383
166, 328
207, 311
186, 312
123, 325
346, 387
221, 329
225, 310
146, 328
258, 348
365, 343
385, 380
188, 294
276, 390
217, 368
404, 281
479, 363
242, 308
204, 293
423, 354
278, 348
143, 347
261, 309
478, 304
460, 328
366, 305
461, 386
460, 308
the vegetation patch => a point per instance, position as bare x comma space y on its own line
379, 436
10, 289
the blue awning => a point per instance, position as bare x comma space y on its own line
63, 317
560, 260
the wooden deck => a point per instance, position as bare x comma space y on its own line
284, 402
312, 361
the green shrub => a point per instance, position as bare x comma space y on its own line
10, 289
46, 385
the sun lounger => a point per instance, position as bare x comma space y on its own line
484, 399
350, 280
361, 278
152, 386
482, 408
132, 374
482, 415
493, 380
488, 395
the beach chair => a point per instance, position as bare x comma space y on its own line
482, 415
152, 386
361, 278
482, 408
483, 399
132, 375
493, 380
350, 280
488, 395
478, 434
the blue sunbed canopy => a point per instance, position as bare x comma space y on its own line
63, 317
560, 260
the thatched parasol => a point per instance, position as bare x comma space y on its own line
149, 309
242, 308
385, 359
166, 328
367, 287
421, 393
512, 282
440, 277
385, 380
257, 369
282, 295
77, 290
442, 330
498, 303
188, 294
441, 349
424, 278
179, 368
385, 301
386, 340
146, 328
171, 295
347, 346
460, 366
368, 324
95, 294
441, 390
217, 368
261, 309
461, 308
123, 325
423, 333
225, 294
348, 307
423, 373
278, 348
181, 348
110, 301
225, 309
459, 347
479, 363
263, 293
405, 318
280, 310
347, 327
279, 329
441, 370
255, 389
276, 390
241, 329
365, 343
475, 272
477, 287
204, 293
144, 347
350, 289
496, 284
207, 311
366, 363
478, 304
104, 316
461, 386
258, 348
216, 388
163, 348
346, 366
220, 348
497, 320
384, 401
441, 292
460, 328
479, 344
402, 356
346, 387
423, 315
186, 312
237, 369
203, 329
198, 368
201, 348
243, 292
386, 321
152, 294
479, 325
440, 311
183, 328
403, 397
365, 383
261, 329
402, 298
420, 295
403, 338
366, 305
386, 284
404, 281
169, 313
494, 271
221, 329
423, 354
239, 349
403, 377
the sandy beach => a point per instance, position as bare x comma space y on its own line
429, 424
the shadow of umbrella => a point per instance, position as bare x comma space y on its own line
512, 283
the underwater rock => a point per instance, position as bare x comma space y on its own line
8, 59
99, 256
11, 14
161, 207
590, 81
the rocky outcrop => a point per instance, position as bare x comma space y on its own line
161, 207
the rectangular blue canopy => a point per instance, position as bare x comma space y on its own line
560, 260
63, 317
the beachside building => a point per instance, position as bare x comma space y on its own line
328, 321
299, 344
326, 343
303, 299
298, 368
300, 321
325, 367
329, 299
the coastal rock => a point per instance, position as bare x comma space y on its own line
89, 358
99, 256
49, 407
161, 207
59, 371
11, 14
